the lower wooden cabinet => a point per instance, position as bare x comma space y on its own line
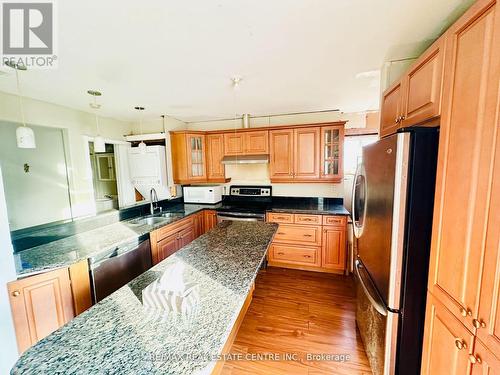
166, 247
447, 343
334, 249
210, 219
309, 242
42, 303
199, 224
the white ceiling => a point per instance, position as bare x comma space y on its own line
177, 57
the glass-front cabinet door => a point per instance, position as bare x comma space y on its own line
332, 140
196, 156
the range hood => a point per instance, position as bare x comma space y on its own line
245, 159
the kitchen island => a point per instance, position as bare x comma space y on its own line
119, 336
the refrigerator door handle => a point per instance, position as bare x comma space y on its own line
370, 291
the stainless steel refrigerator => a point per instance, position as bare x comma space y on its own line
393, 198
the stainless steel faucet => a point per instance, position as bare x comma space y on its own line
153, 206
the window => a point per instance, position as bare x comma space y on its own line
353, 146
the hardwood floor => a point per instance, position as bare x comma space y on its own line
300, 312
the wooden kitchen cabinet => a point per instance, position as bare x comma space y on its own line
334, 248
281, 155
464, 273
484, 362
447, 342
234, 143
331, 153
467, 147
215, 152
167, 240
42, 303
188, 157
416, 97
199, 223
390, 112
306, 153
423, 86
210, 219
309, 242
246, 142
256, 142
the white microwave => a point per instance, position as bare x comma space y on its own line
209, 194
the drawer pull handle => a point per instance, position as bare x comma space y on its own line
307, 256
307, 235
478, 323
306, 219
281, 233
460, 344
281, 253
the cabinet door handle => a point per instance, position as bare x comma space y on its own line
475, 359
16, 293
397, 119
465, 312
460, 344
307, 256
478, 323
403, 118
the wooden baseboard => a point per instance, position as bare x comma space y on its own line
305, 268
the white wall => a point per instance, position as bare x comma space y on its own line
8, 346
77, 124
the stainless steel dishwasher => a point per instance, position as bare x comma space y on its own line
112, 270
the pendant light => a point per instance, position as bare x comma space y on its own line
142, 146
24, 135
99, 144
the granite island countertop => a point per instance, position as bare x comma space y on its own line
70, 250
119, 336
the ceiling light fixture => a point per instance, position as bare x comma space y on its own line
99, 144
25, 136
142, 146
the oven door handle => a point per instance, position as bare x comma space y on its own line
235, 218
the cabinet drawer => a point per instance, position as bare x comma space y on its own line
309, 256
339, 221
275, 217
308, 219
174, 227
299, 234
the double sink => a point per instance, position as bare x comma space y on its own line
156, 219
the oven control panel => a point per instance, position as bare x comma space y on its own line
251, 191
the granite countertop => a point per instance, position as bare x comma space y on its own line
67, 251
317, 206
119, 336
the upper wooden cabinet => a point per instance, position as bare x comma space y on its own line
307, 154
215, 153
466, 198
423, 86
281, 155
390, 112
246, 142
188, 157
331, 155
416, 97
42, 303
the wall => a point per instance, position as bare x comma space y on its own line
41, 194
258, 174
77, 124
